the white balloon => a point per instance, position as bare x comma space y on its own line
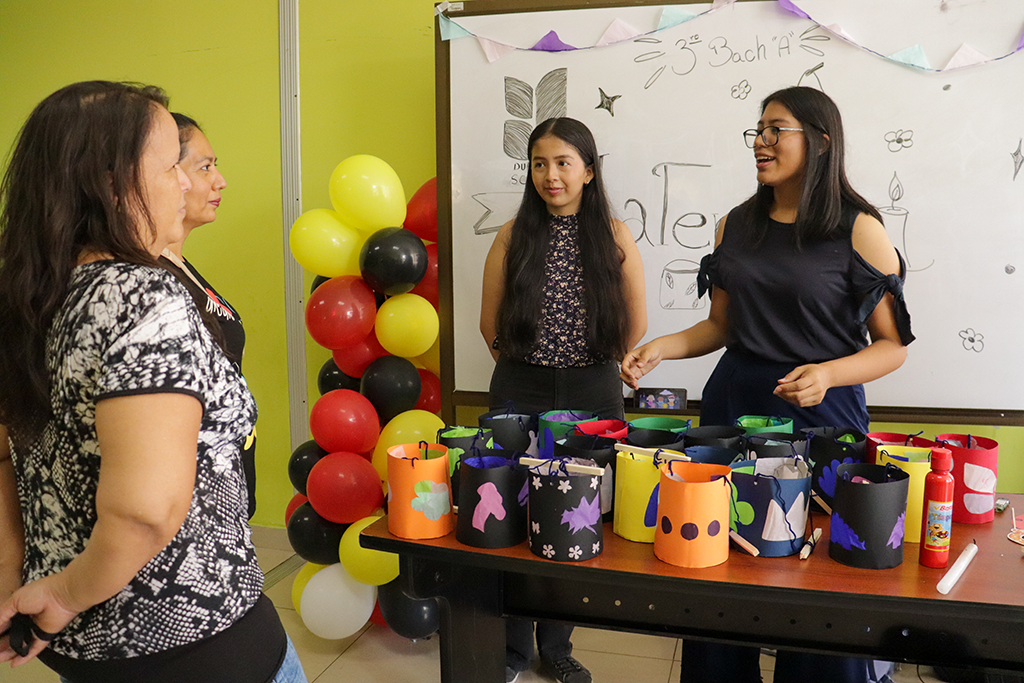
334, 605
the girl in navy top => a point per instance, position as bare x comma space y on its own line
807, 298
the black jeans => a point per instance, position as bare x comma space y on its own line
530, 388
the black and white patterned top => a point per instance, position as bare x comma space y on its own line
562, 341
126, 329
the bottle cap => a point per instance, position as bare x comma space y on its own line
942, 459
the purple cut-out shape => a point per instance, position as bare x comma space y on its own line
490, 504
790, 7
896, 537
827, 480
651, 513
524, 493
552, 43
584, 516
844, 535
689, 531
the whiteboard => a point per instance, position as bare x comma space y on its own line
938, 153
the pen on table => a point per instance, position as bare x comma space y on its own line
809, 544
947, 582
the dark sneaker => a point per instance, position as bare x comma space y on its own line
566, 670
511, 675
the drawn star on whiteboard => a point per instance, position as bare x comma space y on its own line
1018, 158
607, 102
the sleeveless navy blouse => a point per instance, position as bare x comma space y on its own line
799, 306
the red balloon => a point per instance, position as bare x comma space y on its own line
421, 214
344, 420
344, 488
427, 288
340, 312
355, 358
297, 500
377, 616
430, 392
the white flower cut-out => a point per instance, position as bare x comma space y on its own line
575, 552
564, 486
548, 551
536, 483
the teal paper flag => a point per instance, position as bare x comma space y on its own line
912, 56
449, 29
673, 15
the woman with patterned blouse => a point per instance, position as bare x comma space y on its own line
563, 301
124, 548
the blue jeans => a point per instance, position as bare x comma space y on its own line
290, 671
291, 668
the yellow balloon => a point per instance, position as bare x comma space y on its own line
301, 579
324, 245
431, 360
372, 567
367, 193
406, 325
412, 426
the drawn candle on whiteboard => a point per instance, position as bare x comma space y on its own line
895, 218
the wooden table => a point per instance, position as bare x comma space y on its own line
815, 605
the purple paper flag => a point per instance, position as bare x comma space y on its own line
551, 43
790, 7
1020, 43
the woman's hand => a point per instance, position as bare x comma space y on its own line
806, 385
46, 603
639, 362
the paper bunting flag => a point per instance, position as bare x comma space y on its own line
838, 30
965, 56
551, 43
673, 15
493, 50
617, 32
790, 7
721, 3
449, 29
911, 56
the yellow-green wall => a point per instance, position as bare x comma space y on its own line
367, 87
367, 84
219, 63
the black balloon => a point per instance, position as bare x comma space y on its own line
331, 378
301, 462
317, 281
408, 617
314, 538
393, 260
392, 384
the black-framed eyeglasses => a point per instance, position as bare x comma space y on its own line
769, 135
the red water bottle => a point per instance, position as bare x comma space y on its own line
937, 516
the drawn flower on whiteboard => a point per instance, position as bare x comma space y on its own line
678, 57
575, 552
899, 139
548, 551
973, 341
740, 90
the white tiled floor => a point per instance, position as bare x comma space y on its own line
377, 655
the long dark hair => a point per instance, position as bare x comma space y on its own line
604, 297
187, 126
826, 189
74, 182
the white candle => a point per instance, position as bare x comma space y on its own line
947, 582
